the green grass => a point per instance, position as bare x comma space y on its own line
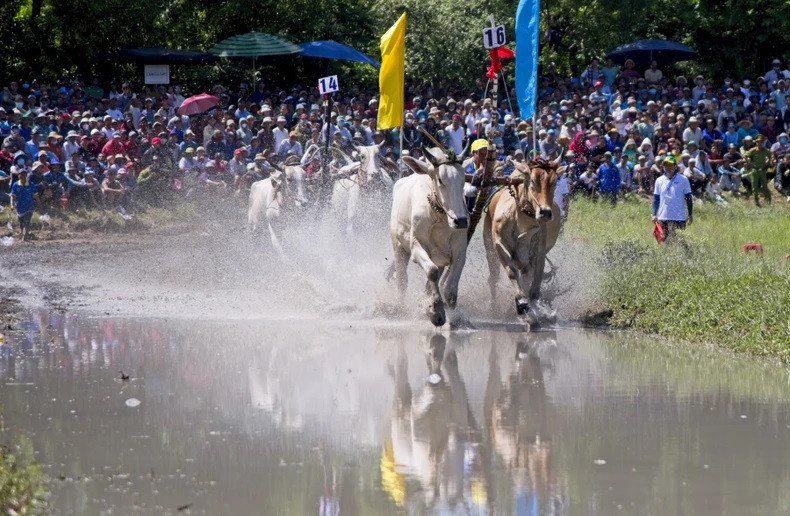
702, 289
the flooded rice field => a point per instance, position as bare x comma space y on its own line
143, 415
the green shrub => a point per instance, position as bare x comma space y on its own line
687, 291
702, 289
22, 490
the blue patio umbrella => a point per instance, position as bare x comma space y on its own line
333, 50
645, 50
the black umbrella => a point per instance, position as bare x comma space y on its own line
646, 50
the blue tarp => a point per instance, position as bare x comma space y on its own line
333, 50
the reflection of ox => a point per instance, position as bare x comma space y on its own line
521, 228
428, 224
351, 195
435, 437
273, 199
520, 423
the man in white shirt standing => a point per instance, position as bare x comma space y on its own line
455, 133
280, 132
671, 192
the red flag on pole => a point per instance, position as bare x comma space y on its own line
496, 55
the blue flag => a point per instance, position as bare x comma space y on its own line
527, 56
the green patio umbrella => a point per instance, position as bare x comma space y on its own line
254, 44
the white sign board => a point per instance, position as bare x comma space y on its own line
494, 37
328, 84
157, 74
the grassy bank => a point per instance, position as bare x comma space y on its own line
70, 223
22, 489
702, 290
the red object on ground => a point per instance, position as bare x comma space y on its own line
658, 232
755, 248
198, 104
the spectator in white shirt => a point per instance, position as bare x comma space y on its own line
280, 132
290, 147
72, 144
692, 132
455, 133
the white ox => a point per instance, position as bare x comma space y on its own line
273, 198
428, 224
367, 187
521, 227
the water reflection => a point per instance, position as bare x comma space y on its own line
254, 418
522, 423
435, 438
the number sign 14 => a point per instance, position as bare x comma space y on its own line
328, 84
494, 37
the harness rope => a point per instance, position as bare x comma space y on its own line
433, 202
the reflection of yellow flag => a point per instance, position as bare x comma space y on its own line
393, 45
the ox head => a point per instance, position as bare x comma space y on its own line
370, 165
292, 183
448, 184
540, 178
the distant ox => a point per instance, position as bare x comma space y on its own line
273, 199
366, 187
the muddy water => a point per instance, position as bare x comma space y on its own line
372, 418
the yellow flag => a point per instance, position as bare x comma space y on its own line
393, 46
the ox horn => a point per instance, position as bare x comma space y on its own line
432, 139
558, 161
345, 156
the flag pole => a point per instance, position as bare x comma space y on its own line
325, 155
400, 137
400, 128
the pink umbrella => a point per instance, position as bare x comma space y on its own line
198, 104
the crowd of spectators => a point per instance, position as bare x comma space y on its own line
74, 144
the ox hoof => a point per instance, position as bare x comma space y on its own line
436, 313
522, 306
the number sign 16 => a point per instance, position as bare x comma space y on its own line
494, 37
328, 84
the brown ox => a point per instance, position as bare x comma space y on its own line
521, 227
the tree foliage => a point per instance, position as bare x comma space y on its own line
53, 37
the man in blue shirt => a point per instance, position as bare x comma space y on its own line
608, 178
23, 201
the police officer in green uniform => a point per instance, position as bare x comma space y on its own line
757, 161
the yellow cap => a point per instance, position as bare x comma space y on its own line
479, 144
